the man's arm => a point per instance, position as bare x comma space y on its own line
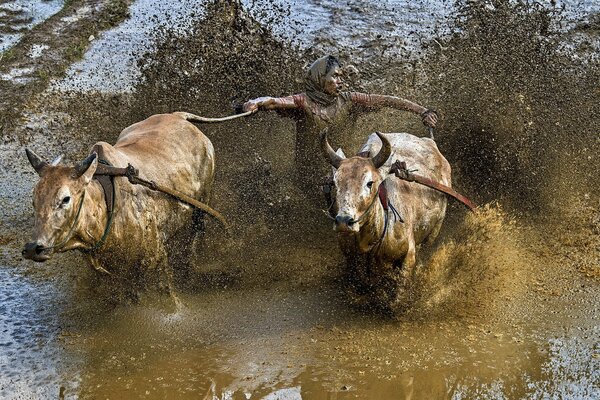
378, 101
273, 103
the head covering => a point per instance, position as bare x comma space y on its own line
315, 80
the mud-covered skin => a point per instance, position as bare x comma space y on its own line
380, 268
166, 149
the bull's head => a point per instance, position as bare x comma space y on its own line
357, 180
57, 199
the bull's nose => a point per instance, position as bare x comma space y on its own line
34, 251
343, 222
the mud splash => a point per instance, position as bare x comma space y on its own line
519, 101
482, 261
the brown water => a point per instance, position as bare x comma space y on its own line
515, 327
508, 297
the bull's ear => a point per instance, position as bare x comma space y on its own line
56, 161
340, 153
86, 168
36, 162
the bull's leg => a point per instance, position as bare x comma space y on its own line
402, 297
434, 232
198, 221
97, 265
183, 246
120, 285
165, 277
410, 260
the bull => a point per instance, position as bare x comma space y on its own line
380, 219
71, 207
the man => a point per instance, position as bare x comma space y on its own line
323, 105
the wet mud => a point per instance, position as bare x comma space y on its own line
506, 304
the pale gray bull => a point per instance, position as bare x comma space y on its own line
380, 246
71, 212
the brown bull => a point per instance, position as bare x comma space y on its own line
381, 219
71, 210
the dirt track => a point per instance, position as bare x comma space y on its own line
510, 305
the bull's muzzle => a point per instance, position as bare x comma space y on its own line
345, 223
36, 252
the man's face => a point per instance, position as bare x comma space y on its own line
333, 82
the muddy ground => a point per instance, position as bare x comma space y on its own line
508, 300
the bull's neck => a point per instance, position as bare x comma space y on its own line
94, 216
372, 228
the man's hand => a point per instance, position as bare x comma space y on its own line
429, 118
251, 105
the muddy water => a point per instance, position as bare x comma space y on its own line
358, 28
508, 306
282, 343
18, 16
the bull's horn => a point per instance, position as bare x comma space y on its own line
384, 153
36, 162
328, 152
83, 166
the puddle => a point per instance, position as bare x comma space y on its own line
281, 343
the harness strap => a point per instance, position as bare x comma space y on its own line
383, 196
382, 193
132, 174
108, 186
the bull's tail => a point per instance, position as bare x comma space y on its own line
196, 118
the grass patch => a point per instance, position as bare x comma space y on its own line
7, 55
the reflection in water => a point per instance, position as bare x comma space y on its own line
279, 343
254, 344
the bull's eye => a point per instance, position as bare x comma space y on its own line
65, 201
370, 184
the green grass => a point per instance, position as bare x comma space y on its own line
7, 55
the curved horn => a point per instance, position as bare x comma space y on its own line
386, 150
82, 166
36, 162
328, 152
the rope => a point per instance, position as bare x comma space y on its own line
179, 196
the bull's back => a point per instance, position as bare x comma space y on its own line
166, 138
168, 149
421, 154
